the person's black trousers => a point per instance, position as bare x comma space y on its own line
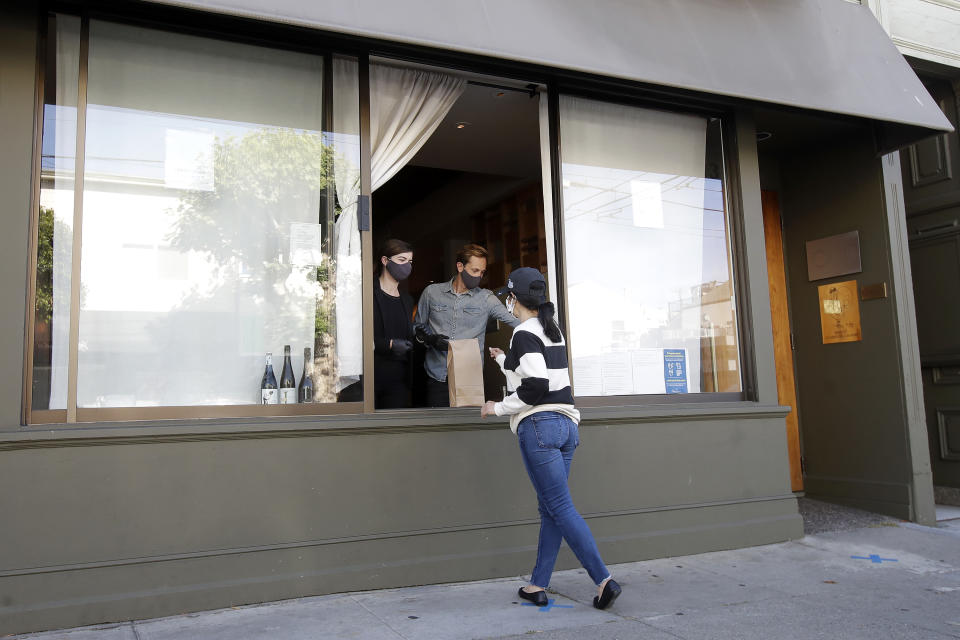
391, 384
438, 394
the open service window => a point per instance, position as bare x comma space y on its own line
197, 217
457, 188
649, 280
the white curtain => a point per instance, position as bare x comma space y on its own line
547, 181
60, 199
346, 169
406, 107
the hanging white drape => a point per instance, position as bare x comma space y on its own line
346, 168
406, 107
60, 199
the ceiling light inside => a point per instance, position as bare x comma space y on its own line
462, 125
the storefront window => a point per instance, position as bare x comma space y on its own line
650, 292
215, 223
218, 224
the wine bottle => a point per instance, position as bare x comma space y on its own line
305, 393
268, 384
288, 384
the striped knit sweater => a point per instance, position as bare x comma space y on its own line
537, 375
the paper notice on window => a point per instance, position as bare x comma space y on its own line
675, 370
305, 244
587, 376
617, 374
188, 160
647, 371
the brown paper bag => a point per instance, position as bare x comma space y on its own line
465, 373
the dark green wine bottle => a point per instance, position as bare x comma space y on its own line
288, 384
305, 391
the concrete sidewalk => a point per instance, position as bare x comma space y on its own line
885, 580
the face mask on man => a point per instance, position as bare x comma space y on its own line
399, 272
469, 281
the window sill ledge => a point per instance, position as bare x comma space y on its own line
403, 421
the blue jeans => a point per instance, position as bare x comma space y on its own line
547, 440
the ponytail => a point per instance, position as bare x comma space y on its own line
536, 300
550, 329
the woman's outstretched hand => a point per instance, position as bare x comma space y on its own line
487, 408
494, 352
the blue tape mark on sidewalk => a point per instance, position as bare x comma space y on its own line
874, 558
550, 605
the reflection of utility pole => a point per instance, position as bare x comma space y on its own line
713, 352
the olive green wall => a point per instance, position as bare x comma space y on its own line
18, 68
124, 521
860, 403
151, 524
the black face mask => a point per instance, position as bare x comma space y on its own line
400, 272
469, 281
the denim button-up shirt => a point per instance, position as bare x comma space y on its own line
457, 316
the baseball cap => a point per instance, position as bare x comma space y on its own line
525, 281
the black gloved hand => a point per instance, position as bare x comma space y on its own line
420, 334
400, 347
436, 340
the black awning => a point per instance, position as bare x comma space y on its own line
823, 55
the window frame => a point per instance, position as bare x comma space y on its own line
74, 414
325, 43
736, 241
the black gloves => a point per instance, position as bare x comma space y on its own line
400, 347
436, 340
420, 333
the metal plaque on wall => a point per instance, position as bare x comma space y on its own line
833, 256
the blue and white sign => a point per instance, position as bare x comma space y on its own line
675, 370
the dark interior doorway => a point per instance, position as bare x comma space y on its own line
477, 180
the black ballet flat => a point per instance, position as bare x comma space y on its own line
611, 591
538, 598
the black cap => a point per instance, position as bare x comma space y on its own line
525, 281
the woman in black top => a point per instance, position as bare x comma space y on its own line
392, 327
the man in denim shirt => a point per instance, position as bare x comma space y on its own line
455, 310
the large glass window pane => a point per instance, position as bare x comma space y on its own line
208, 221
55, 229
650, 291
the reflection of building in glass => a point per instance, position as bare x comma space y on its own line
712, 303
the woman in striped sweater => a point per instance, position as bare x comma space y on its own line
540, 406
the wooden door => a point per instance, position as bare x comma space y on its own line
783, 350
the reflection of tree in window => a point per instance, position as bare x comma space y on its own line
45, 248
50, 282
259, 179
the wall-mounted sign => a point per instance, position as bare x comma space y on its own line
840, 312
833, 256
